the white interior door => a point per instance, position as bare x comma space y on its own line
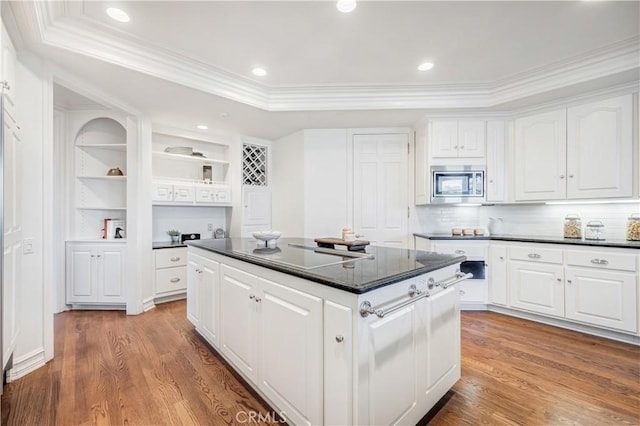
380, 188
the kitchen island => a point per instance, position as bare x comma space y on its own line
331, 337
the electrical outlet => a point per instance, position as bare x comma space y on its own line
210, 227
27, 246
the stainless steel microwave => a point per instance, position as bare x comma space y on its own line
457, 184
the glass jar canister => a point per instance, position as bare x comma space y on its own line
572, 226
594, 231
633, 227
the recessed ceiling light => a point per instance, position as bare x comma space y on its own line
426, 66
202, 127
260, 72
118, 14
346, 6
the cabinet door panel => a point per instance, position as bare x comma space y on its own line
496, 151
204, 194
170, 280
183, 193
110, 280
603, 298
443, 138
193, 289
391, 345
338, 360
291, 352
600, 149
443, 336
238, 319
162, 192
537, 287
540, 157
81, 275
471, 139
498, 275
210, 301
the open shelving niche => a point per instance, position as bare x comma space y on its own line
100, 144
179, 169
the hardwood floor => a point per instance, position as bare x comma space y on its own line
153, 369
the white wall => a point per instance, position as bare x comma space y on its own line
287, 205
33, 92
530, 219
325, 182
187, 220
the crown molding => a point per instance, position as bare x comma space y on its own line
80, 34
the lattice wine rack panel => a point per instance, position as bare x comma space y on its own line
254, 165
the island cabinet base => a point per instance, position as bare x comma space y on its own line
308, 351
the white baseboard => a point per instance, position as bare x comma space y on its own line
473, 306
148, 304
26, 364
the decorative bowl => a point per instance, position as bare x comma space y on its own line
266, 238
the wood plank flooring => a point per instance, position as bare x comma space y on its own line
153, 369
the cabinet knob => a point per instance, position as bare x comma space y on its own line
175, 259
559, 280
99, 255
561, 176
251, 296
175, 280
339, 338
258, 299
93, 255
569, 282
570, 176
461, 146
490, 180
501, 258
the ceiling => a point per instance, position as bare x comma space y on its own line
186, 63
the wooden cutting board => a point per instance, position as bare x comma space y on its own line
329, 242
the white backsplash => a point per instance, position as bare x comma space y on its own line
187, 220
531, 219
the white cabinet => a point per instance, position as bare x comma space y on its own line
443, 337
170, 271
602, 289
338, 364
600, 149
256, 209
273, 334
203, 293
498, 281
457, 138
540, 156
95, 273
581, 152
496, 163
536, 279
168, 193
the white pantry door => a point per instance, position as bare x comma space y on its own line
381, 188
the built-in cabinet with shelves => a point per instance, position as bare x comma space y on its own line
95, 273
581, 152
180, 179
98, 185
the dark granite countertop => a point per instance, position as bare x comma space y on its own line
166, 244
537, 239
388, 266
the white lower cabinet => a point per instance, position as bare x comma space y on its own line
274, 335
170, 271
595, 287
203, 293
498, 288
537, 287
95, 273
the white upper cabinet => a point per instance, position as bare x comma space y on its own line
457, 138
577, 153
496, 151
600, 149
540, 156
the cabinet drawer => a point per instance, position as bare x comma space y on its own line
168, 258
536, 254
470, 250
602, 259
171, 279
